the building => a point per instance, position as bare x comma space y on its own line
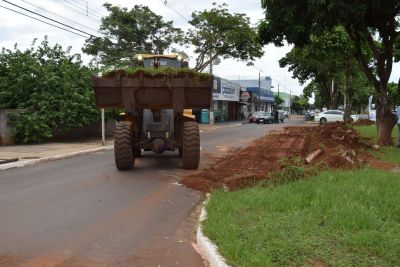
226, 104
262, 98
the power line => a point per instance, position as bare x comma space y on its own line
83, 9
174, 9
48, 18
59, 16
43, 21
74, 10
85, 5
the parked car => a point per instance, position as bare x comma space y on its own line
282, 115
308, 117
264, 117
332, 116
254, 116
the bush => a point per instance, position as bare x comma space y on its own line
51, 85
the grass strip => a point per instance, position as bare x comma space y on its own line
337, 218
386, 153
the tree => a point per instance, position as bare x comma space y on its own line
372, 27
129, 32
299, 104
217, 33
327, 59
51, 86
278, 100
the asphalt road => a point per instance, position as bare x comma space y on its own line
81, 211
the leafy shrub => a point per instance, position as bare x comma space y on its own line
51, 86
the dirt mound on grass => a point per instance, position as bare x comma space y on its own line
363, 122
273, 152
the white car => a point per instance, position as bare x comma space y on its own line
332, 116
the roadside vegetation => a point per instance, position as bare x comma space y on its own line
50, 86
337, 218
385, 153
308, 217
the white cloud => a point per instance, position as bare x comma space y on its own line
18, 29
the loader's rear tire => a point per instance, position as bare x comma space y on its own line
190, 145
123, 146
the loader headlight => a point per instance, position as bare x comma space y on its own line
179, 57
139, 57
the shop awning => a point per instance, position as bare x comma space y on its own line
265, 94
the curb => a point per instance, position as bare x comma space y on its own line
20, 164
205, 247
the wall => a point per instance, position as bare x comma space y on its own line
5, 128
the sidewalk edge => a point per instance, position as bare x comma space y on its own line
207, 249
20, 164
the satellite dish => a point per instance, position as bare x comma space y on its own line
216, 61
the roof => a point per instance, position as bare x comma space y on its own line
147, 56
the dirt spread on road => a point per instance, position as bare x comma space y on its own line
333, 145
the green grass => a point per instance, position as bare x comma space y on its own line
388, 153
342, 218
370, 132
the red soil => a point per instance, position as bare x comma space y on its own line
273, 152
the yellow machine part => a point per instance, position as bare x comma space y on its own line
188, 114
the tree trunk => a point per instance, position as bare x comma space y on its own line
349, 105
348, 92
385, 119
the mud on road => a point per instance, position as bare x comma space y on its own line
337, 146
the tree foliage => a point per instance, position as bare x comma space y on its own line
217, 33
129, 32
50, 85
299, 104
324, 59
371, 25
278, 100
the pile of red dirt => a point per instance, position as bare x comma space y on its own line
340, 146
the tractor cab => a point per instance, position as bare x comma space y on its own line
175, 61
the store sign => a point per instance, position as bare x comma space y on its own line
245, 96
225, 90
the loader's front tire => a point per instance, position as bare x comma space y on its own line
123, 146
190, 145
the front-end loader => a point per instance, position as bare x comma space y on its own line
157, 108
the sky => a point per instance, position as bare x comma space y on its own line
16, 28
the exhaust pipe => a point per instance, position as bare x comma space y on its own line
158, 145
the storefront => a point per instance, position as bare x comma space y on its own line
262, 98
264, 101
225, 103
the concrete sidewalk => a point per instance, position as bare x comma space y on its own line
48, 150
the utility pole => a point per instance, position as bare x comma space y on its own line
259, 90
211, 111
103, 134
290, 102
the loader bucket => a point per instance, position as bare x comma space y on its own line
141, 91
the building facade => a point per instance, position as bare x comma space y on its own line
262, 98
226, 104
